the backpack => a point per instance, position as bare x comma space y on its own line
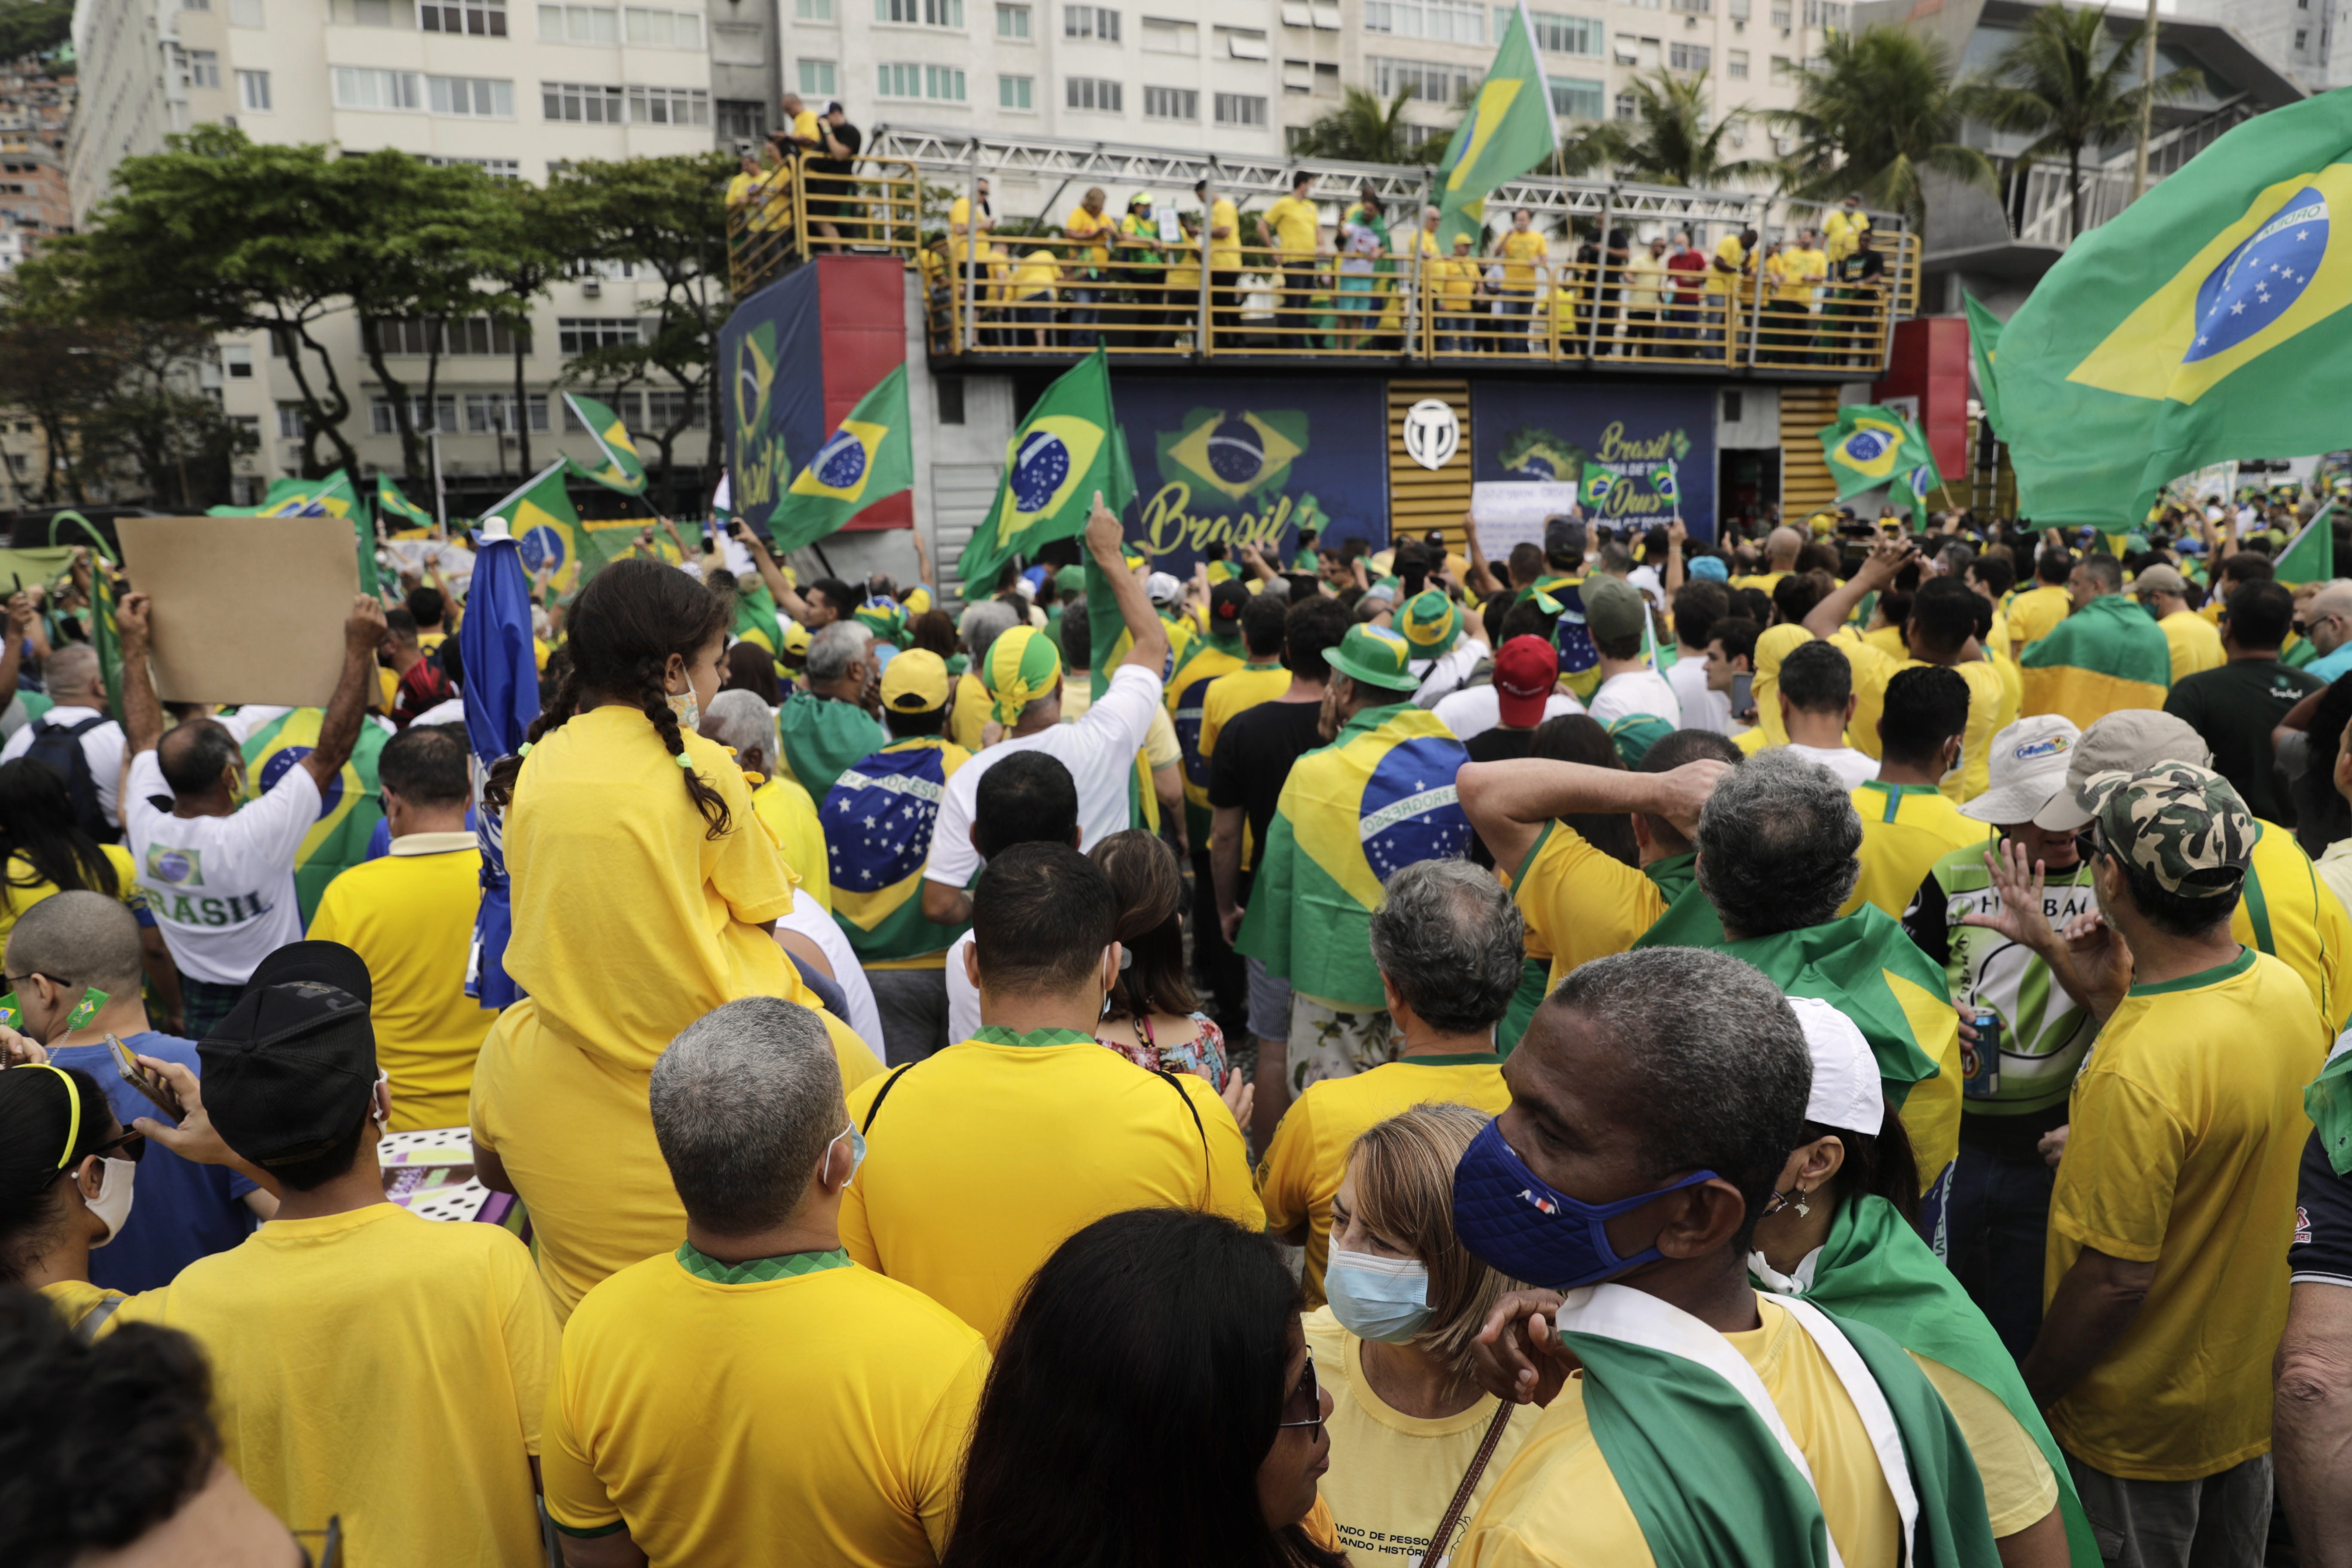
59, 745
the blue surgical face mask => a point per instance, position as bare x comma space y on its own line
1520, 1227
856, 1149
1375, 1297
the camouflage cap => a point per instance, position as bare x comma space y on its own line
2183, 824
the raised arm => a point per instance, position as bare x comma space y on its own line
1104, 539
1888, 557
143, 715
1482, 579
1510, 802
1676, 534
787, 599
363, 633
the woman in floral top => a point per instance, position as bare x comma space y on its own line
1154, 1019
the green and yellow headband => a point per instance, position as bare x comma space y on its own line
1020, 667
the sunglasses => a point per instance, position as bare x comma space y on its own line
1306, 1396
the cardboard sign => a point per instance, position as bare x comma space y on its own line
244, 609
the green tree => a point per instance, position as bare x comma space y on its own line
54, 368
156, 421
1364, 130
2067, 83
1875, 113
1670, 141
534, 238
33, 27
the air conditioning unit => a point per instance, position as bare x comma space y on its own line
1784, 32
592, 288
1739, 26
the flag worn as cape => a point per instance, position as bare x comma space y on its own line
869, 455
878, 818
1874, 1269
2109, 654
348, 813
1069, 447
502, 699
821, 738
2190, 329
1508, 130
1377, 799
620, 468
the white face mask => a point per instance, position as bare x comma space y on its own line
112, 1203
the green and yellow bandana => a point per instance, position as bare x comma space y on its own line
1021, 666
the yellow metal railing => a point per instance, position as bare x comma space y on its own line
789, 212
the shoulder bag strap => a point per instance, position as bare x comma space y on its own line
1435, 1555
882, 1094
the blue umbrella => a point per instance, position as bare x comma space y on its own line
502, 699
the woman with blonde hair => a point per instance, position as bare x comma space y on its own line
1414, 1439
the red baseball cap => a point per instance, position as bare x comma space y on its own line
1524, 669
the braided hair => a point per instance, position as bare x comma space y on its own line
624, 628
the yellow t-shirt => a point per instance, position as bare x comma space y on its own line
2033, 613
75, 1300
1225, 255
973, 707
1873, 669
411, 916
1801, 272
1297, 227
1083, 226
1905, 828
16, 897
2187, 1127
2287, 913
380, 1366
791, 815
2020, 1487
1559, 1504
825, 1406
1456, 280
1391, 1474
1521, 252
1732, 254
1767, 580
1581, 903
1034, 277
2196, 645
1059, 1131
1301, 1171
1838, 230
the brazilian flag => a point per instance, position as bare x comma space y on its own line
1235, 453
878, 816
350, 806
869, 456
1069, 447
2109, 654
332, 496
2193, 329
1509, 130
1984, 346
541, 518
1870, 446
397, 512
622, 468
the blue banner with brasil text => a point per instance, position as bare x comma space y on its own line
1238, 462
1637, 455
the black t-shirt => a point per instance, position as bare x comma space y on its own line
2235, 708
1863, 266
2322, 1247
851, 139
1254, 756
1494, 746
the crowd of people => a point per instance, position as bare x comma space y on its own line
1816, 1048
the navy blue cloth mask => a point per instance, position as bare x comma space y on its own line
1519, 1226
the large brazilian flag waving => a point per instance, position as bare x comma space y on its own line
869, 456
348, 813
1509, 130
1068, 448
2193, 329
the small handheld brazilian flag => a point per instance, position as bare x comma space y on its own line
869, 455
2195, 328
1870, 446
621, 469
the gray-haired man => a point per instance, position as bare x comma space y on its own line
827, 727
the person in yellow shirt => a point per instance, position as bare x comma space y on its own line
1395, 1347
1524, 252
1291, 227
1056, 1129
2175, 1202
830, 1405
1728, 273
1089, 229
1448, 943
343, 1300
1684, 1075
42, 851
1795, 271
2034, 612
2196, 645
410, 917
682, 883
1782, 548
1843, 227
1907, 822
1454, 299
1224, 243
740, 722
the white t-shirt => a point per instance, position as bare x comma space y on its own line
1853, 768
102, 748
1637, 692
1442, 676
1702, 708
963, 996
1098, 750
221, 887
1474, 710
452, 711
812, 920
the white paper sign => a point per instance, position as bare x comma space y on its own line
1509, 512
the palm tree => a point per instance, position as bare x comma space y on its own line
2064, 83
1875, 114
1667, 142
1363, 131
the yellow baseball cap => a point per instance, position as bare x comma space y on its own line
915, 681
796, 638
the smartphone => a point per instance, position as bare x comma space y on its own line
1743, 696
145, 1079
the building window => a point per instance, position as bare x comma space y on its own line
1298, 77
1244, 43
1574, 100
1555, 34
943, 84
1780, 68
898, 80
1171, 103
476, 95
1240, 108
477, 337
489, 412
1827, 14
813, 10
1737, 10
253, 91
1629, 107
496, 168
664, 409
581, 334
662, 29
1165, 38
1424, 79
2302, 39
670, 106
203, 68
1691, 8
1688, 57
290, 420
920, 13
482, 18
1734, 64
1326, 80
1090, 22
1013, 91
580, 24
237, 360
242, 12
1093, 93
1012, 22
741, 118
1781, 17
357, 87
1446, 21
818, 78
580, 101
420, 412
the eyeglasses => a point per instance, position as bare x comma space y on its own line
131, 1146
330, 1544
1307, 1396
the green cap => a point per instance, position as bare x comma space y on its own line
2183, 824
1430, 622
1635, 734
1375, 655
1070, 580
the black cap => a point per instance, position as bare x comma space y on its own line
291, 1069
1436, 539
1225, 601
1562, 535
